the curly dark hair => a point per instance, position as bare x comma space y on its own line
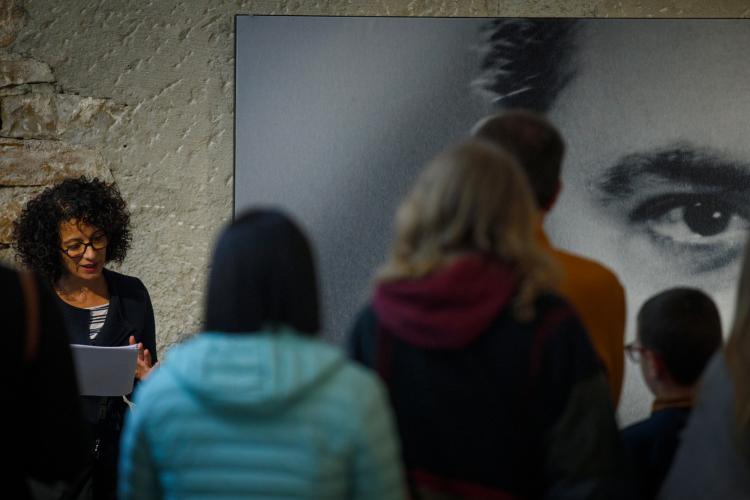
525, 63
36, 232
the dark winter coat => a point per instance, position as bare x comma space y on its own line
488, 406
130, 313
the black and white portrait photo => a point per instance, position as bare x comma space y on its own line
335, 117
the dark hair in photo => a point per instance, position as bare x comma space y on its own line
262, 276
525, 63
683, 326
36, 232
534, 142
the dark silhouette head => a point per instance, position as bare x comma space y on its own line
262, 277
681, 325
536, 144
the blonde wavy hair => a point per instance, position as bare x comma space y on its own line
737, 354
473, 198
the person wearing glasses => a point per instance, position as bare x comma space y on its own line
677, 332
68, 234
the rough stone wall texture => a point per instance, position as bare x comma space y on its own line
165, 71
45, 136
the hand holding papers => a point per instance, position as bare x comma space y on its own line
105, 371
143, 363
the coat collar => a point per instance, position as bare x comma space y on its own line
678, 402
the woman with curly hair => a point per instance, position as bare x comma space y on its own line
496, 388
68, 234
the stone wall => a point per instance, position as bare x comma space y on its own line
45, 134
141, 90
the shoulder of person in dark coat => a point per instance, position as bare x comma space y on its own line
127, 286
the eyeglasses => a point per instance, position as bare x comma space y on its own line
75, 250
634, 351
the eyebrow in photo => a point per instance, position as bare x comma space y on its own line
681, 164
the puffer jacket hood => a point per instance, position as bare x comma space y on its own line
261, 371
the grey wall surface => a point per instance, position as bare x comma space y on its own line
335, 117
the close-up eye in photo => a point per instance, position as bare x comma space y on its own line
706, 229
693, 206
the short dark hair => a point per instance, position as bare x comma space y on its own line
683, 326
262, 275
536, 144
526, 63
36, 232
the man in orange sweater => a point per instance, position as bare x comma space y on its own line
592, 289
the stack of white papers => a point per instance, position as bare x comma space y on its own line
105, 371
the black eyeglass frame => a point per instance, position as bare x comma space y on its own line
634, 351
91, 244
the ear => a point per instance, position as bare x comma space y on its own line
655, 365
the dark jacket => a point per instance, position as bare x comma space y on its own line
488, 406
46, 439
652, 444
130, 313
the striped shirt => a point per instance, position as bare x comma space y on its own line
98, 316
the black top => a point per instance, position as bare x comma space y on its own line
652, 444
130, 313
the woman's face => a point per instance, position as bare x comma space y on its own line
83, 248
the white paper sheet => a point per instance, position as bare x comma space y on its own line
104, 371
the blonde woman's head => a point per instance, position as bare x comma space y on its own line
473, 198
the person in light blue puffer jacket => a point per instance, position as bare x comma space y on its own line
255, 407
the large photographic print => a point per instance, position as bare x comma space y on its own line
336, 116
